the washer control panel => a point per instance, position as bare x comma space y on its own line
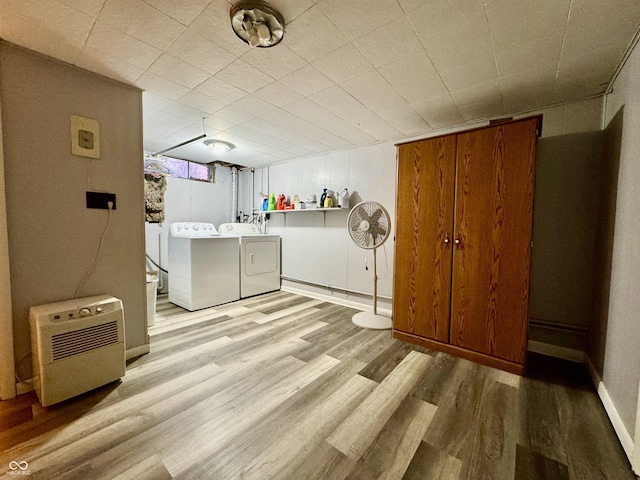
192, 230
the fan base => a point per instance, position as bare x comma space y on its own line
372, 320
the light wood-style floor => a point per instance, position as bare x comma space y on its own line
286, 387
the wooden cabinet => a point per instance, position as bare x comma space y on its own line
463, 242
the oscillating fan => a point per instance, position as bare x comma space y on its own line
369, 225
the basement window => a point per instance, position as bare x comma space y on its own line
188, 170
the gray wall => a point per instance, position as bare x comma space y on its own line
616, 352
53, 237
566, 213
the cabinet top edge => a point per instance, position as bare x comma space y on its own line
537, 117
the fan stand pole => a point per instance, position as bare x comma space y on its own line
368, 319
375, 283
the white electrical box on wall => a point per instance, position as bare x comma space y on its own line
85, 137
77, 345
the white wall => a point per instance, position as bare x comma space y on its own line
189, 201
316, 247
620, 369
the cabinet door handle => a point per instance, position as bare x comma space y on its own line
446, 239
458, 240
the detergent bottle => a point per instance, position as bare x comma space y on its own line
323, 197
343, 199
272, 202
281, 202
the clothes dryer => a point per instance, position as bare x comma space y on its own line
203, 266
259, 254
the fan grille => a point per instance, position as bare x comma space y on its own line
369, 224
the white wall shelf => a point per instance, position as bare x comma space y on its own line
306, 210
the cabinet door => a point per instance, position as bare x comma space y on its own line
493, 221
423, 244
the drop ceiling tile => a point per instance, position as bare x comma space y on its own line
217, 124
304, 127
243, 131
410, 5
528, 90
598, 64
577, 88
89, 7
181, 110
141, 21
312, 35
307, 81
253, 105
342, 64
200, 52
159, 125
389, 43
490, 108
278, 94
377, 95
522, 57
356, 18
122, 46
586, 31
452, 34
271, 124
203, 103
160, 85
519, 23
233, 115
108, 65
317, 115
484, 92
276, 61
177, 71
220, 90
440, 112
184, 11
468, 74
244, 76
421, 84
290, 9
343, 105
45, 26
214, 24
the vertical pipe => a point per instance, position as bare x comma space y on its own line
234, 194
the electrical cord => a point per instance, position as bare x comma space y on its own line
18, 366
95, 261
155, 264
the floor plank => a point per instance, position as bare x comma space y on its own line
281, 386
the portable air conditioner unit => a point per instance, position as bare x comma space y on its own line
77, 345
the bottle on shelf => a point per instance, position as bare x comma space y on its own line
343, 199
272, 202
323, 197
281, 202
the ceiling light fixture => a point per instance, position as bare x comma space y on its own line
219, 146
256, 23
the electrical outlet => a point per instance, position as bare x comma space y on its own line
100, 200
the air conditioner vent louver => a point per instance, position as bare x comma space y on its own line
84, 340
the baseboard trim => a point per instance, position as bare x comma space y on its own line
138, 351
621, 431
557, 351
331, 299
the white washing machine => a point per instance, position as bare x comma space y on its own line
259, 258
203, 266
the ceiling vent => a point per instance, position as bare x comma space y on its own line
257, 24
